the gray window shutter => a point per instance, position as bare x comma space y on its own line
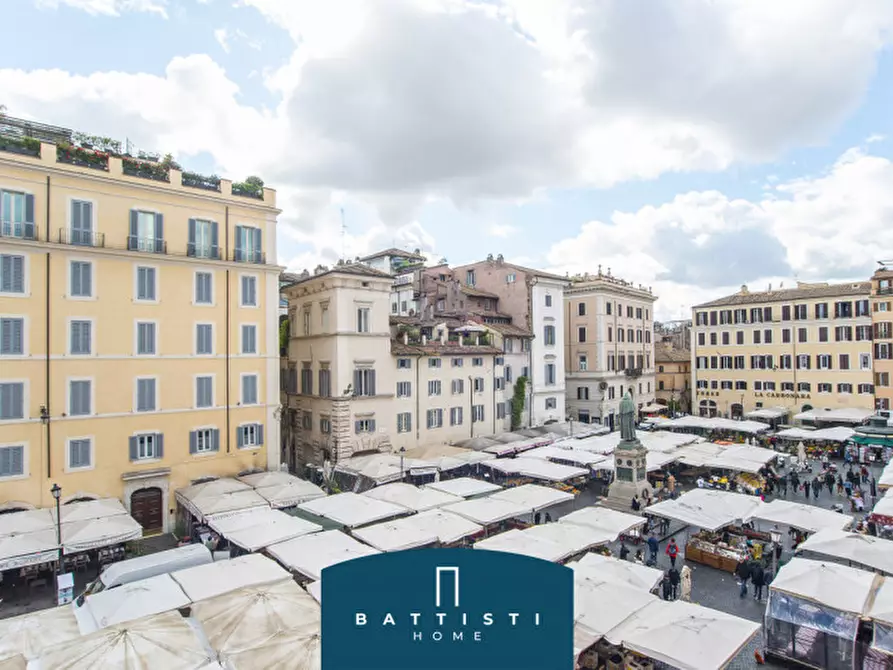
86, 279
77, 221
237, 252
357, 375
260, 433
371, 425
240, 437
87, 220
214, 251
18, 274
18, 401
215, 439
190, 244
193, 442
18, 460
132, 240
12, 336
159, 233
134, 454
356, 426
371, 382
159, 445
257, 245
75, 279
29, 216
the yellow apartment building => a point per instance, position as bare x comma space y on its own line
882, 322
673, 378
138, 324
804, 347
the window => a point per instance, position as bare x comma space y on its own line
801, 335
12, 273
12, 400
306, 379
433, 362
863, 333
740, 386
404, 422
548, 300
81, 279
404, 389
843, 333
804, 387
457, 386
469, 277
251, 435
882, 379
725, 385
248, 285
756, 336
477, 362
583, 393
404, 363
785, 362
551, 403
362, 319
204, 392
12, 336
145, 394
823, 361
434, 387
608, 308
499, 360
204, 441
249, 389
821, 310
582, 362
12, 461
786, 335
16, 215
202, 240
804, 361
630, 336
581, 309
862, 308
768, 386
325, 380
865, 361
550, 374
508, 374
248, 245
845, 388
478, 384
843, 310
477, 413
435, 418
457, 363
364, 382
80, 453
620, 333
844, 361
145, 338
325, 425
249, 339
501, 410
548, 335
204, 339
510, 278
456, 416
203, 288
824, 388
79, 397
146, 232
866, 388
364, 426
146, 284
758, 386
823, 333
767, 337
800, 312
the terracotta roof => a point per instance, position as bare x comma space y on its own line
509, 329
667, 355
356, 269
477, 293
419, 321
437, 349
394, 252
519, 268
801, 292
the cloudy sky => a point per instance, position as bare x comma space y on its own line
690, 145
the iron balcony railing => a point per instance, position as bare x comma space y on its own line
148, 245
81, 238
18, 229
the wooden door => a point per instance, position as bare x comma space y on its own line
146, 508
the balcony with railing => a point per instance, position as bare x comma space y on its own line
81, 238
18, 229
209, 251
25, 146
146, 244
88, 158
249, 256
633, 372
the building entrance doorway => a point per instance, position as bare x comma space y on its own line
147, 509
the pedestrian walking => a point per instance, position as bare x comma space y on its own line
653, 546
873, 485
839, 484
742, 571
624, 552
685, 584
784, 486
806, 489
829, 482
816, 488
757, 576
536, 519
674, 583
666, 586
672, 551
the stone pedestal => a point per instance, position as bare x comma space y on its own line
630, 475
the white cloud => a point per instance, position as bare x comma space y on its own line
501, 230
109, 7
222, 37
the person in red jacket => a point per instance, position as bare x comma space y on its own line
672, 551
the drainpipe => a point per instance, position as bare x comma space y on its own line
418, 396
471, 404
227, 326
48, 413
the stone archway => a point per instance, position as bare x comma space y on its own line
153, 479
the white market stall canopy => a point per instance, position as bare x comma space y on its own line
881, 612
259, 527
464, 487
130, 602
653, 407
831, 584
201, 582
315, 590
27, 521
664, 440
571, 537
801, 516
835, 434
533, 497
767, 413
592, 619
411, 498
700, 454
19, 551
536, 468
311, 554
218, 497
707, 508
655, 460
281, 489
742, 458
579, 457
684, 635
505, 449
853, 415
420, 530
886, 479
351, 509
30, 634
716, 423
163, 641
604, 518
866, 550
598, 568
518, 542
446, 457
87, 534
487, 511
87, 510
296, 648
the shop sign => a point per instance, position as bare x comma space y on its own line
783, 394
442, 609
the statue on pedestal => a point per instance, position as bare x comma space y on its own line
630, 461
627, 419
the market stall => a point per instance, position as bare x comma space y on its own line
715, 427
536, 469
29, 635
201, 582
502, 449
865, 551
881, 615
593, 621
309, 555
130, 602
595, 568
257, 528
814, 611
411, 498
882, 514
533, 497
568, 456
519, 542
430, 528
885, 481
616, 524
281, 489
825, 418
490, 512
216, 498
807, 518
350, 510
464, 487
98, 533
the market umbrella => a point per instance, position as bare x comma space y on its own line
295, 649
801, 452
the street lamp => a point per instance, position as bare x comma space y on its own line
402, 451
57, 493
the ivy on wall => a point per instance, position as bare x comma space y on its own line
518, 401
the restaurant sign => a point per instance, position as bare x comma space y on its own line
446, 609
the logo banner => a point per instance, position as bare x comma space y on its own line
447, 609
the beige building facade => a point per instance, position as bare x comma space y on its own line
138, 323
609, 346
358, 380
673, 378
803, 347
882, 324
